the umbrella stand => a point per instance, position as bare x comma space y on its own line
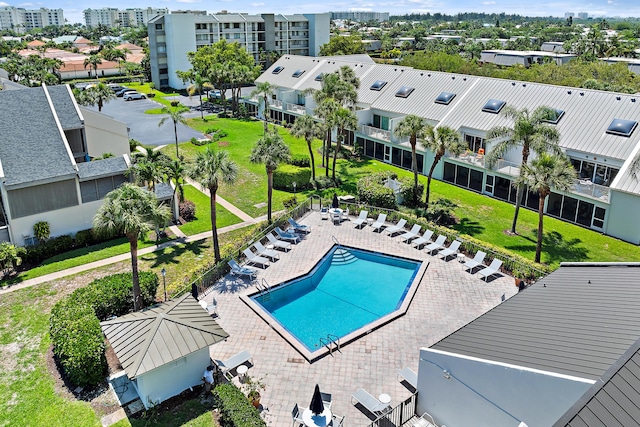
316, 406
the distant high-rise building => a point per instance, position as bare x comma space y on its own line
569, 15
20, 20
172, 36
583, 15
113, 17
361, 16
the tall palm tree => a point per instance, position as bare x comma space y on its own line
343, 119
175, 114
412, 126
209, 170
440, 140
175, 172
132, 211
544, 173
265, 90
270, 150
199, 83
93, 61
100, 94
307, 128
531, 131
149, 167
325, 111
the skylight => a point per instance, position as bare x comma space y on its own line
554, 117
445, 98
297, 73
622, 127
378, 84
404, 91
319, 77
278, 69
493, 106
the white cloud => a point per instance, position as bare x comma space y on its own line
3, 3
488, 3
257, 4
188, 1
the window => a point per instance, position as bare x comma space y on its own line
489, 185
378, 85
297, 73
475, 143
236, 25
158, 26
404, 91
493, 106
445, 98
598, 217
277, 70
622, 127
380, 122
555, 117
163, 71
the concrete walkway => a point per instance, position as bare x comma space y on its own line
227, 205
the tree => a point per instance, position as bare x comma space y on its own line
132, 211
96, 95
175, 172
440, 140
343, 119
265, 90
10, 257
199, 83
270, 150
149, 167
544, 173
307, 128
414, 127
93, 61
342, 45
175, 114
210, 168
530, 131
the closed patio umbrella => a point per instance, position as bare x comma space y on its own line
316, 406
335, 204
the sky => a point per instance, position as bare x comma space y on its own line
596, 8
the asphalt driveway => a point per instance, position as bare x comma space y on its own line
144, 127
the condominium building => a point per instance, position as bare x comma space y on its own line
172, 36
21, 20
113, 17
361, 16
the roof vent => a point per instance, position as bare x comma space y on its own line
524, 85
633, 100
513, 83
617, 98
569, 92
453, 77
581, 93
422, 74
428, 75
464, 78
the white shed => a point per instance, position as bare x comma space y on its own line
165, 349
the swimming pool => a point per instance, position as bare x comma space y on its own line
348, 291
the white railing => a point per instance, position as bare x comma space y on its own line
300, 109
506, 167
275, 103
474, 159
589, 189
376, 133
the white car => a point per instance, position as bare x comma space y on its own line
128, 96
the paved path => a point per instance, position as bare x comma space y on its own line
227, 205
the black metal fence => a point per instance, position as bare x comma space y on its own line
399, 415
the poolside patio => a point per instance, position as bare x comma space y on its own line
446, 299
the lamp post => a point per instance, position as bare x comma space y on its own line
294, 188
164, 282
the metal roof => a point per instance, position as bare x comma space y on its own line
32, 147
614, 401
65, 106
100, 168
148, 339
576, 321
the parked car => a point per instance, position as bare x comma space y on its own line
128, 96
123, 91
116, 87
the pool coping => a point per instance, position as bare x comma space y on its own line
312, 356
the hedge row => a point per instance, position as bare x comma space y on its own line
74, 325
371, 191
60, 244
235, 409
286, 175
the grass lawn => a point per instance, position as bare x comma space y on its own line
163, 98
202, 222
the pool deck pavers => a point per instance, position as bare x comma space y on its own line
447, 299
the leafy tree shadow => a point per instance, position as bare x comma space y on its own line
468, 226
230, 284
554, 247
172, 254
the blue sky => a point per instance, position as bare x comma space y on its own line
597, 8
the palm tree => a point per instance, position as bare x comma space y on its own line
307, 128
175, 172
175, 114
100, 94
529, 130
132, 211
265, 90
270, 150
325, 111
544, 173
199, 83
440, 140
412, 126
343, 119
149, 167
93, 61
210, 168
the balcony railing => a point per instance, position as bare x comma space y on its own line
589, 189
474, 159
376, 133
506, 167
295, 108
274, 103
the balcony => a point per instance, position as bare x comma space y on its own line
274, 103
469, 157
587, 188
300, 109
507, 168
381, 134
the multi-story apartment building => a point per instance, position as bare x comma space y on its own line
172, 36
20, 20
361, 16
113, 17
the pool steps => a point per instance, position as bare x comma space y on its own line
342, 257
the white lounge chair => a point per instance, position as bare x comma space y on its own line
411, 234
475, 262
299, 227
372, 404
324, 213
283, 235
438, 244
409, 376
493, 268
451, 250
396, 228
255, 259
280, 244
425, 420
423, 240
238, 270
228, 365
345, 215
269, 253
362, 219
377, 226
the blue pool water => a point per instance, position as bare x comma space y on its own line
345, 291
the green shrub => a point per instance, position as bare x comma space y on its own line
235, 408
49, 248
441, 212
407, 192
290, 203
323, 182
41, 230
199, 142
371, 191
77, 342
286, 175
187, 210
300, 161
